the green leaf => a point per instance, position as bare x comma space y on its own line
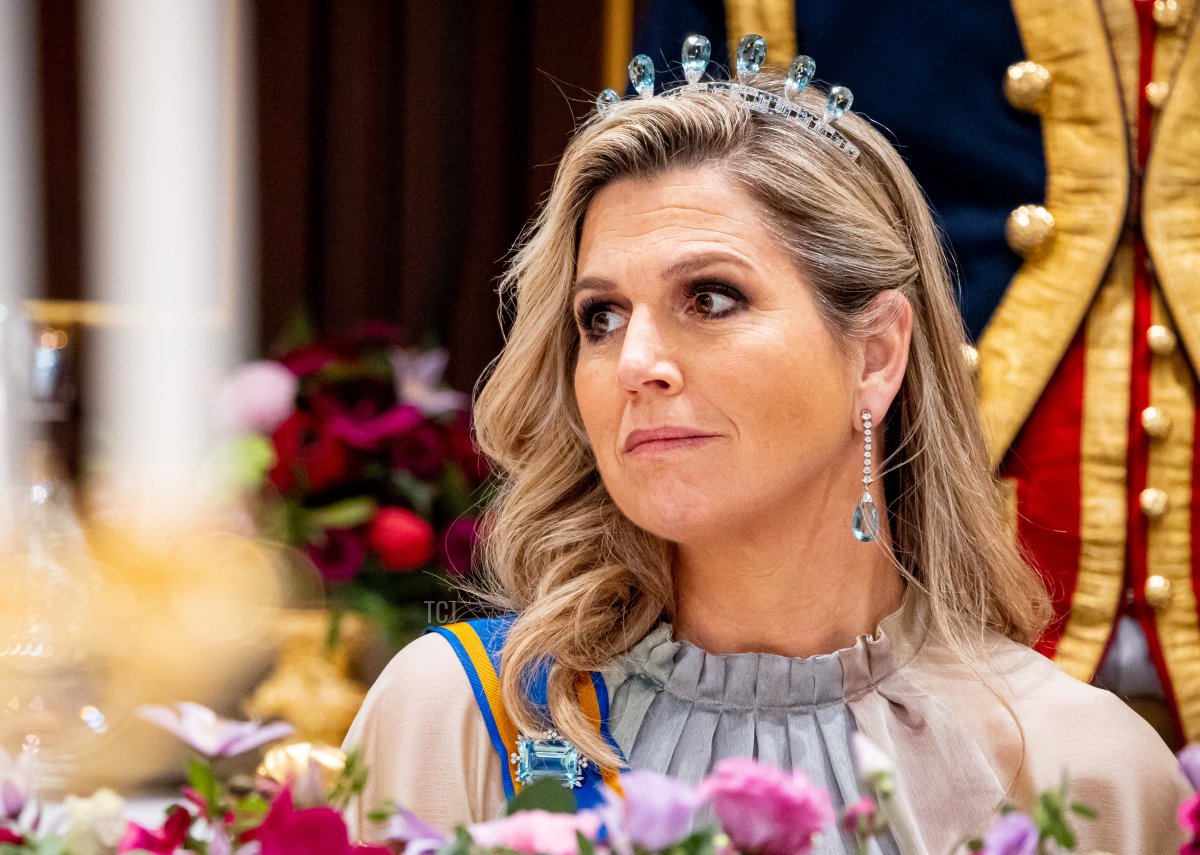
348, 513
417, 492
701, 842
383, 812
586, 847
204, 782
547, 794
1083, 810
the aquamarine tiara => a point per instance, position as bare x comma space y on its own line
751, 55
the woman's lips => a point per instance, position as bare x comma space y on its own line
662, 439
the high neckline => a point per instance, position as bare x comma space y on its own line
770, 681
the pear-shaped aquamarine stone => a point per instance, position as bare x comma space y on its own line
641, 74
696, 52
606, 101
799, 74
840, 100
751, 54
866, 520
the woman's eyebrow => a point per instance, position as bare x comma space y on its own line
695, 263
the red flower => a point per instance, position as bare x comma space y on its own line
308, 456
460, 448
419, 450
165, 841
403, 540
315, 831
308, 359
458, 545
341, 556
8, 836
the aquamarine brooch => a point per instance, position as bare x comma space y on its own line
550, 757
751, 55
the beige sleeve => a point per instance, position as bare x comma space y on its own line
425, 743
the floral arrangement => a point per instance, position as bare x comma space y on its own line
294, 804
359, 456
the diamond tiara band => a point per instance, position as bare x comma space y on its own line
751, 55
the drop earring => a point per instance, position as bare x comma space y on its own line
865, 524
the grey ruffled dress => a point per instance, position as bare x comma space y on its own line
678, 710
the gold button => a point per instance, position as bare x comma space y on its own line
1157, 93
1158, 592
1025, 85
1029, 228
1154, 502
1161, 340
971, 357
1155, 422
1166, 13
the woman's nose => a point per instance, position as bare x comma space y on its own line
647, 363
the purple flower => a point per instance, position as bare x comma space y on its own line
340, 556
368, 433
257, 398
655, 813
417, 835
211, 736
766, 810
1189, 762
1012, 834
537, 832
420, 450
419, 381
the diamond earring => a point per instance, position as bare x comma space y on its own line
865, 524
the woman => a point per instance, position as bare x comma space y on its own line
735, 344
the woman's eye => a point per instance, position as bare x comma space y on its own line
713, 303
599, 321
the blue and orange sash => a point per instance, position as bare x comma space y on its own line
478, 644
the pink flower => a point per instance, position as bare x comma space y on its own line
9, 836
417, 835
16, 782
257, 398
1189, 821
315, 831
164, 841
536, 832
200, 728
859, 817
419, 382
765, 810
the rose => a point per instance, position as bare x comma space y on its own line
308, 456
419, 450
403, 540
1011, 834
766, 810
340, 554
257, 397
536, 832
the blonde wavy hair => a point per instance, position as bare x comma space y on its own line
586, 582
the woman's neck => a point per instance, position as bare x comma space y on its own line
796, 591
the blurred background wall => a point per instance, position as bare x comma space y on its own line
399, 148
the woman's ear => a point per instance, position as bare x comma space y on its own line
885, 352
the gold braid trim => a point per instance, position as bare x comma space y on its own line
1169, 546
1104, 449
1172, 195
1087, 189
774, 20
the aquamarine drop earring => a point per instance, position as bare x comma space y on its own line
865, 524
